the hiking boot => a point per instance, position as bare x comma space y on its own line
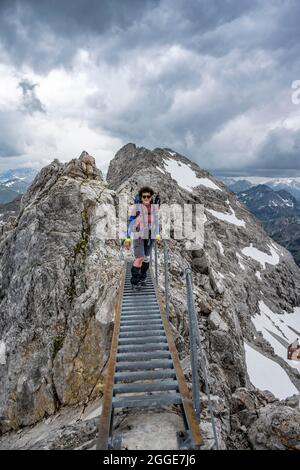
136, 287
135, 275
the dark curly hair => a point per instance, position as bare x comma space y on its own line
146, 189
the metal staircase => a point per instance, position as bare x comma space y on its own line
144, 368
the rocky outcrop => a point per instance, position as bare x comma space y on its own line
277, 428
56, 301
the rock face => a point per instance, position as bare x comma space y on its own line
56, 308
59, 280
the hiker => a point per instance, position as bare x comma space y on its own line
294, 350
144, 216
295, 345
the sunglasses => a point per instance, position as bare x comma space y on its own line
146, 197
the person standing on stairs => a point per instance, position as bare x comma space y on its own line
144, 219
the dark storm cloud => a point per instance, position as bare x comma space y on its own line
27, 27
241, 55
30, 103
281, 151
47, 33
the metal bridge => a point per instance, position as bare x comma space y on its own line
144, 368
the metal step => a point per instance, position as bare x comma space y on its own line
143, 339
140, 333
137, 295
144, 365
142, 323
143, 356
146, 400
140, 327
144, 306
134, 316
140, 312
128, 284
143, 347
138, 303
142, 289
157, 386
144, 375
154, 322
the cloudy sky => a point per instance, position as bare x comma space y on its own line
211, 79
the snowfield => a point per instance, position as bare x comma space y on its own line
278, 330
266, 374
261, 256
225, 217
186, 177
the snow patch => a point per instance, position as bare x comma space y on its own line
230, 218
258, 275
221, 248
208, 183
2, 353
266, 374
270, 324
241, 264
162, 171
261, 256
186, 177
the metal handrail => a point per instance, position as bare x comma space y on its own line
167, 293
195, 341
166, 273
156, 264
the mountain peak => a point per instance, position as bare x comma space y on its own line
148, 166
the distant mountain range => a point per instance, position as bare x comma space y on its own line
279, 211
14, 182
267, 203
237, 185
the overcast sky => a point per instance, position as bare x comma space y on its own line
211, 79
